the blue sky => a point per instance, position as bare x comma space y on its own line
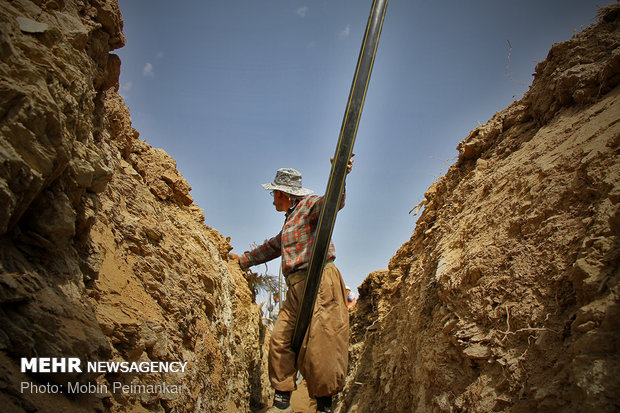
234, 90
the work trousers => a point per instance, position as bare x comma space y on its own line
323, 357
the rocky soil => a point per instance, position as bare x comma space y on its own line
507, 296
103, 254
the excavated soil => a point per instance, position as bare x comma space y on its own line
506, 297
103, 254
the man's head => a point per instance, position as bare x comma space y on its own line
282, 201
285, 187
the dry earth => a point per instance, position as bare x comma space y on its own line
505, 298
104, 255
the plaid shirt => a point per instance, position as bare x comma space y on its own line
294, 242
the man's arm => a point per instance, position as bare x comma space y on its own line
269, 250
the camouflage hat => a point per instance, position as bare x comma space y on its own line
288, 180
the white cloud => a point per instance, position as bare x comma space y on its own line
160, 55
148, 70
302, 11
345, 33
125, 87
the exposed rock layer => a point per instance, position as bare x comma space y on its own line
104, 255
506, 297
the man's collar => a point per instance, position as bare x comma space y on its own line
293, 206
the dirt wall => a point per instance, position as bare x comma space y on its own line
506, 297
103, 254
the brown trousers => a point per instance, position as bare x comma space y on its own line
323, 357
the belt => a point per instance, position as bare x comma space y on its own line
298, 276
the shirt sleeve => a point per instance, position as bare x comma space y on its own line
271, 248
319, 204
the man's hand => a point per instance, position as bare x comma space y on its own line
349, 165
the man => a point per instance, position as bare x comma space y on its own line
274, 307
351, 297
323, 356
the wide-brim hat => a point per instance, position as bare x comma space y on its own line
288, 180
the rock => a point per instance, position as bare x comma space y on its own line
587, 279
27, 25
53, 218
477, 352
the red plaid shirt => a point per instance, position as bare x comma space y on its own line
294, 242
